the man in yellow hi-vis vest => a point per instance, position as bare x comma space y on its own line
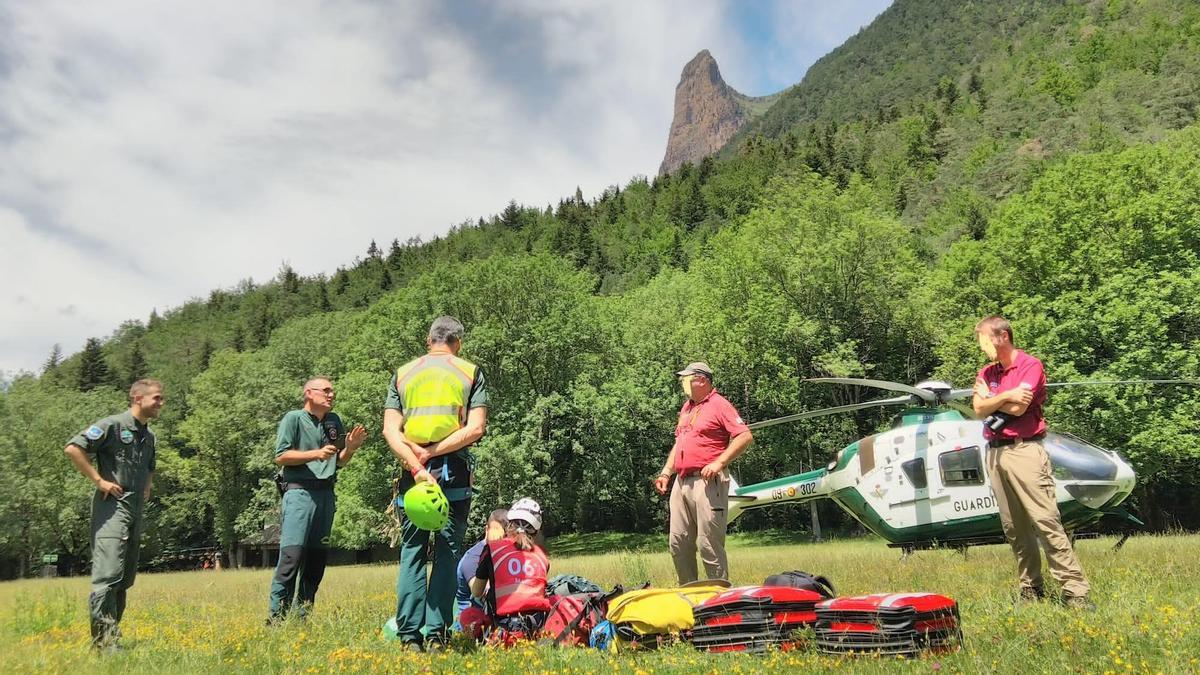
436, 407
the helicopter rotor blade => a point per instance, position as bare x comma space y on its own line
878, 403
1118, 382
926, 396
967, 411
967, 393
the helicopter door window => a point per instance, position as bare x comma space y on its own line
961, 467
915, 470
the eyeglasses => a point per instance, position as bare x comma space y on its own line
328, 391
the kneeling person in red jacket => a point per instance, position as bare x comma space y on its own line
512, 572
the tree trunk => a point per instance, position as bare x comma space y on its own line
1150, 510
27, 548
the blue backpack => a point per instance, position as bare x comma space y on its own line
602, 635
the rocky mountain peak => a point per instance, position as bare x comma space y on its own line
708, 113
702, 65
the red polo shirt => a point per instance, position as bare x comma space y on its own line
704, 430
1026, 372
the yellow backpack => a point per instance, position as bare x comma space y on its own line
648, 616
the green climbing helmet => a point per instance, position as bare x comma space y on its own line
426, 506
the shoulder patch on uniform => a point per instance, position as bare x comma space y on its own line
126, 436
93, 433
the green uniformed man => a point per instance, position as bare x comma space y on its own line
436, 407
123, 446
311, 445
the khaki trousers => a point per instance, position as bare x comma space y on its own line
1024, 488
699, 513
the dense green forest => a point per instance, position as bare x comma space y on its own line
1032, 158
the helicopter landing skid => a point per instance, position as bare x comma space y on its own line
958, 545
961, 545
1125, 535
1121, 542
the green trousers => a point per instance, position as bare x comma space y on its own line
116, 529
303, 549
425, 605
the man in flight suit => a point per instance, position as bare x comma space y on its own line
123, 446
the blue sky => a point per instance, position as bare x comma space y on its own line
152, 150
784, 38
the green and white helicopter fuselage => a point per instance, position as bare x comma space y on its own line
925, 482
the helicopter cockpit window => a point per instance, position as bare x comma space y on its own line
915, 470
961, 467
1074, 459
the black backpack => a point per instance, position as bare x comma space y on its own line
798, 579
571, 584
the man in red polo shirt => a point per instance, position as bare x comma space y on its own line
710, 434
1012, 388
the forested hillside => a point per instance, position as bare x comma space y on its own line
949, 161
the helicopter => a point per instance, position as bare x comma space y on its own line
923, 483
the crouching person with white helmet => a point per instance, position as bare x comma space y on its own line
512, 573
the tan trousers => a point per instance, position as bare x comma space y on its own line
1024, 488
699, 513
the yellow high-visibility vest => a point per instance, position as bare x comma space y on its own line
436, 390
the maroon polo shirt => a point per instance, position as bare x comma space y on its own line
704, 430
1026, 372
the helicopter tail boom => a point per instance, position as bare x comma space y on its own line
802, 487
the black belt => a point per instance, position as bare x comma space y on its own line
999, 442
319, 484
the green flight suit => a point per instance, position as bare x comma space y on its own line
425, 604
308, 507
124, 449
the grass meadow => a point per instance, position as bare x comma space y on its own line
1148, 597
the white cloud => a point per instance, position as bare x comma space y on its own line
86, 297
151, 151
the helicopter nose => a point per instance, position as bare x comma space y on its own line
1125, 477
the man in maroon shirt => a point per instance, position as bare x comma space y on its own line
709, 435
1013, 388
